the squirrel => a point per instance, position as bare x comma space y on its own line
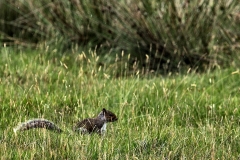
89, 125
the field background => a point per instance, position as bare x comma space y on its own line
169, 71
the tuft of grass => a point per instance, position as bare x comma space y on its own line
190, 116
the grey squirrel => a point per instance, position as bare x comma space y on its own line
89, 125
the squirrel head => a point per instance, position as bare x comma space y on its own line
110, 116
107, 115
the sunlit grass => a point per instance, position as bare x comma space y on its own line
192, 116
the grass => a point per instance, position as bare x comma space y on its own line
175, 35
191, 116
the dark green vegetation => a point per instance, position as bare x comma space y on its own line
193, 116
175, 35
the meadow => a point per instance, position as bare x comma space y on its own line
168, 69
179, 116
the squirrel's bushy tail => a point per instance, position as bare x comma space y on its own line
37, 123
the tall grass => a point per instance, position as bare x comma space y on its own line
175, 35
195, 116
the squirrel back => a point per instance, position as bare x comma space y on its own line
88, 125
